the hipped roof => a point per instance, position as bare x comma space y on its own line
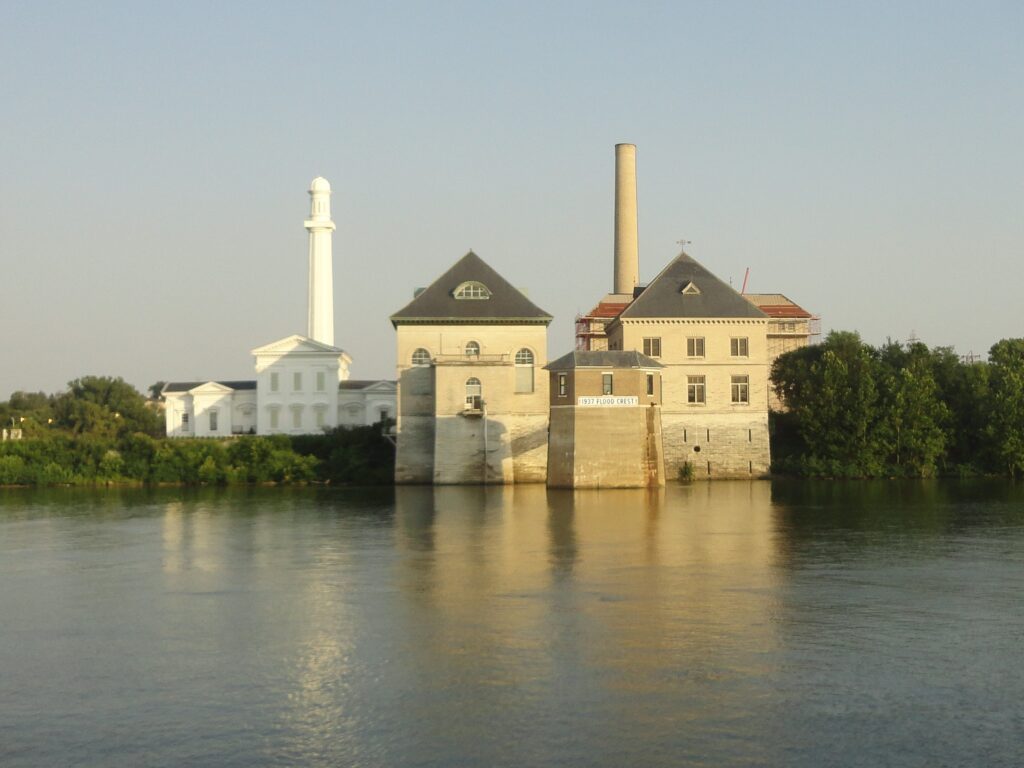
603, 358
437, 303
664, 296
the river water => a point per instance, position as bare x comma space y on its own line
718, 624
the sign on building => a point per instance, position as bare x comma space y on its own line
607, 401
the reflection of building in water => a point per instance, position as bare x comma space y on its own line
605, 421
471, 406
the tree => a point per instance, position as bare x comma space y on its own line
912, 416
1006, 403
106, 406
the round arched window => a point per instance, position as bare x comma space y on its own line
421, 357
472, 349
474, 394
524, 357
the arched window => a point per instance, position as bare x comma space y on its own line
472, 349
421, 357
524, 371
471, 290
474, 395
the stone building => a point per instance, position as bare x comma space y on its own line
471, 407
713, 346
605, 424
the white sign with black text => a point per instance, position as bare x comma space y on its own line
607, 401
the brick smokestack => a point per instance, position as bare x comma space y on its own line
627, 252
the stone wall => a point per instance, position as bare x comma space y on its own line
724, 445
605, 447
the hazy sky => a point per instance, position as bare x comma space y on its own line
866, 159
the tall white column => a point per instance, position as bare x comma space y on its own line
627, 252
321, 277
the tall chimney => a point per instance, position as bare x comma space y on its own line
627, 254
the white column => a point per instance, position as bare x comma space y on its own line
321, 277
627, 255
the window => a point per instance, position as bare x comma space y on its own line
184, 421
652, 347
213, 420
273, 418
695, 390
524, 371
738, 347
297, 381
275, 383
320, 382
606, 384
474, 395
319, 416
563, 384
296, 417
695, 346
421, 357
471, 290
740, 389
690, 289
650, 383
472, 349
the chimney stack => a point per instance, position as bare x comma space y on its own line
627, 253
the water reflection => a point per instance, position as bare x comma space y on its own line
721, 624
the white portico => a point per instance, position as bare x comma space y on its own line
300, 380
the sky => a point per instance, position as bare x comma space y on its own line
865, 159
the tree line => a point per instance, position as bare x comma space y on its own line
101, 430
853, 410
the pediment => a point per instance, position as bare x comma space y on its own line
297, 343
381, 386
211, 388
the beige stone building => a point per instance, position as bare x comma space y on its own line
605, 421
471, 405
713, 345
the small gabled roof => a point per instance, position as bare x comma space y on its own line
297, 343
705, 296
187, 386
437, 303
375, 384
603, 358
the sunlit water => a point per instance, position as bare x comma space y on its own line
711, 625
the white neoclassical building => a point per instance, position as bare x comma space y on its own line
302, 383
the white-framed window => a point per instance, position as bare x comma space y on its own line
274, 419
297, 381
606, 384
275, 382
524, 371
652, 346
563, 384
318, 415
738, 346
471, 290
741, 389
695, 390
213, 419
184, 421
695, 346
421, 357
474, 394
296, 417
321, 381
472, 349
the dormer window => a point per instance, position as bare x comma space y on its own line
472, 290
690, 289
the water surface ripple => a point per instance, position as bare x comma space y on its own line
723, 624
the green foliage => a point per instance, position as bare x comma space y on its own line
856, 411
1006, 403
686, 472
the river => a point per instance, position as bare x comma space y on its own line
716, 624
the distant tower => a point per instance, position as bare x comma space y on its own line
627, 254
321, 278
